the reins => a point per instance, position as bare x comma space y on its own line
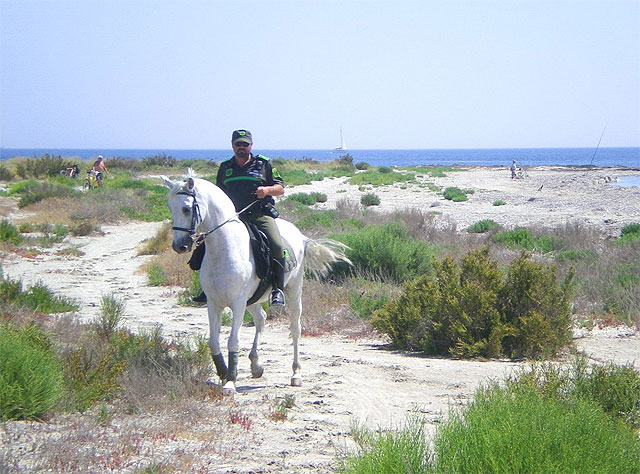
196, 216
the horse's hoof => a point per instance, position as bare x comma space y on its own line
257, 372
296, 381
229, 389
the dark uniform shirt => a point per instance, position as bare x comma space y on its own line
240, 182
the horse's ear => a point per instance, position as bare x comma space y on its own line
167, 182
190, 183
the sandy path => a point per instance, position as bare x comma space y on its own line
345, 380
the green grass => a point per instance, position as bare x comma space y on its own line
545, 420
370, 199
9, 233
499, 202
523, 238
482, 226
388, 251
37, 298
522, 431
30, 374
381, 177
455, 194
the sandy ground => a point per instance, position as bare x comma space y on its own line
345, 380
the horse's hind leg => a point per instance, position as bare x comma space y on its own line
259, 317
294, 299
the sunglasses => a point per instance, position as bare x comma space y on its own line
241, 144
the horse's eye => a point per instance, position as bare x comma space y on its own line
186, 209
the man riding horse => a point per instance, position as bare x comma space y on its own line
244, 178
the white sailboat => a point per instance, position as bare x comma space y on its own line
343, 145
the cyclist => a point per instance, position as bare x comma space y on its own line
98, 167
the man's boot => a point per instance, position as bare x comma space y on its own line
201, 298
277, 270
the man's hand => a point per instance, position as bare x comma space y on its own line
264, 191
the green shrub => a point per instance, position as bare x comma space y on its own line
30, 374
303, 198
37, 298
378, 177
156, 275
46, 165
454, 194
630, 233
388, 252
402, 452
499, 202
369, 199
9, 233
523, 238
630, 229
576, 255
362, 166
6, 174
505, 430
482, 226
472, 310
613, 388
112, 310
43, 190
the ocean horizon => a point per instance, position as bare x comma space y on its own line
602, 157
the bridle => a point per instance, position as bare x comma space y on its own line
195, 214
196, 217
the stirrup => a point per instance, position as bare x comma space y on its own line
277, 298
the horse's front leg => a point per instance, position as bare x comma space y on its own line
215, 322
233, 345
259, 317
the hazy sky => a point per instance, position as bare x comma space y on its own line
392, 74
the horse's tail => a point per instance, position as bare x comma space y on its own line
321, 253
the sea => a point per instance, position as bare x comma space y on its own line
602, 157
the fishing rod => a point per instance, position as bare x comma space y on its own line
598, 146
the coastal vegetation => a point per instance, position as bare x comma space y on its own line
488, 292
578, 427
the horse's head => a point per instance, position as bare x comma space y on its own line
185, 212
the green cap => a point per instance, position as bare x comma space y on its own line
241, 136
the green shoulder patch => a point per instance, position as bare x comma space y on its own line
262, 157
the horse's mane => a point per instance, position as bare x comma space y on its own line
181, 185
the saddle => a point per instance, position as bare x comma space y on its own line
261, 256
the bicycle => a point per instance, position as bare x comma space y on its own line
91, 181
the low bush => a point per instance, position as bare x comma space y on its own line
42, 190
37, 298
30, 374
499, 202
576, 255
361, 166
46, 165
455, 194
472, 310
506, 430
521, 237
387, 251
9, 233
615, 389
482, 226
6, 174
369, 199
630, 233
538, 420
304, 198
383, 176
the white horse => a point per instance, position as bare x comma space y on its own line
228, 275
